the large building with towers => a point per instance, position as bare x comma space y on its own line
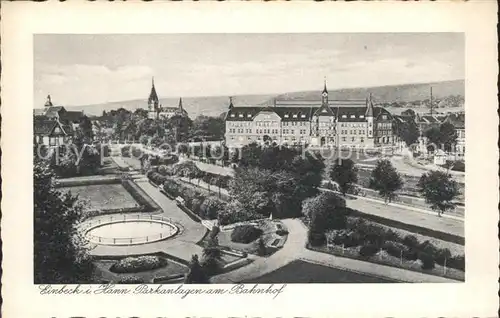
158, 111
324, 123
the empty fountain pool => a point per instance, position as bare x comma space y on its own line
130, 232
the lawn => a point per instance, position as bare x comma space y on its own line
104, 196
298, 272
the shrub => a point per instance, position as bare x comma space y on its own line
394, 248
457, 262
226, 216
316, 238
245, 234
344, 237
210, 208
131, 280
261, 247
162, 170
427, 260
138, 264
411, 241
368, 250
441, 255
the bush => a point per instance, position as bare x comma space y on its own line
210, 208
138, 264
368, 250
226, 216
131, 280
457, 262
411, 241
316, 238
245, 234
427, 260
441, 255
344, 237
281, 232
261, 247
395, 248
162, 170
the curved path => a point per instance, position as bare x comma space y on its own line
295, 249
182, 245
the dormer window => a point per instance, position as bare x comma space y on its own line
286, 116
344, 116
361, 116
232, 115
323, 111
303, 116
240, 115
384, 117
353, 116
294, 115
249, 115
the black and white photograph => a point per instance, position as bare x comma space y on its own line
249, 158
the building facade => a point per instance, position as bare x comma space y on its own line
157, 111
325, 123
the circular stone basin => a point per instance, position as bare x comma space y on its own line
131, 232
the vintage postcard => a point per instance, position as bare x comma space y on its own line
195, 160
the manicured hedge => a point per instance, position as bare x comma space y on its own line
138, 264
245, 234
369, 250
131, 280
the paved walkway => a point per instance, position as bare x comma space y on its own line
295, 249
404, 214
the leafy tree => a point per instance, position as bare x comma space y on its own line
196, 274
345, 174
409, 112
439, 190
386, 180
448, 136
60, 255
212, 256
408, 132
433, 135
326, 211
211, 207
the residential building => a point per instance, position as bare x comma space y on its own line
325, 123
157, 111
54, 125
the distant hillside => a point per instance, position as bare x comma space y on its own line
215, 105
383, 94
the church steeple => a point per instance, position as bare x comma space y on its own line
153, 96
180, 103
48, 103
231, 102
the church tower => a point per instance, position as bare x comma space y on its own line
153, 98
48, 103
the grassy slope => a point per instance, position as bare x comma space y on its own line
215, 105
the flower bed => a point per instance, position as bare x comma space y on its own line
138, 264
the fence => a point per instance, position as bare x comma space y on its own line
171, 228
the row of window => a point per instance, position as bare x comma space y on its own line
352, 132
384, 125
295, 123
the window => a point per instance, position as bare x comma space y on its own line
353, 138
240, 115
384, 117
344, 116
353, 116
294, 115
286, 116
362, 139
303, 116
343, 139
361, 132
232, 115
292, 132
361, 116
249, 115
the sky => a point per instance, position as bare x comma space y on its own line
92, 69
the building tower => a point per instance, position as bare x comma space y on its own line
324, 96
153, 98
48, 103
369, 116
231, 102
180, 105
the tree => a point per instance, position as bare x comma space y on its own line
212, 256
196, 274
439, 190
325, 211
386, 180
448, 136
60, 255
345, 174
433, 135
